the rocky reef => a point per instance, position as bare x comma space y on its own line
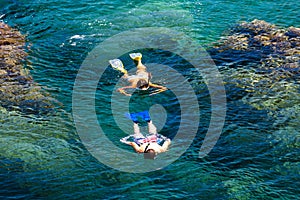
17, 88
264, 61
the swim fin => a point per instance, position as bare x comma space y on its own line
135, 56
118, 65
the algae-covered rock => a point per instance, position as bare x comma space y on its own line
35, 150
264, 60
17, 88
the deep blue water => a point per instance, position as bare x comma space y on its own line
256, 157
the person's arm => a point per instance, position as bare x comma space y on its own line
166, 145
136, 147
160, 88
122, 90
124, 140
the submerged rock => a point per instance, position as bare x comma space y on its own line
34, 150
17, 88
264, 60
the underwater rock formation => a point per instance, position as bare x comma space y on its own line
17, 89
264, 61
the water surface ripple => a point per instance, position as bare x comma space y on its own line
257, 156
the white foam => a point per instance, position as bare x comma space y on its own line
81, 37
77, 37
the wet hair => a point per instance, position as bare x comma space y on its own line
150, 154
142, 83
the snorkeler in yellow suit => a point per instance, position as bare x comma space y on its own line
141, 80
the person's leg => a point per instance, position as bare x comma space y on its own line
141, 71
125, 76
151, 128
137, 132
137, 58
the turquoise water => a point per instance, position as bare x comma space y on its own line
256, 157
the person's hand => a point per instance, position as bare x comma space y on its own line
123, 140
162, 137
122, 91
140, 151
129, 95
158, 91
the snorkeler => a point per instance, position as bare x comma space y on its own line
141, 80
151, 145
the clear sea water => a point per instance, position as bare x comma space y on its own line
41, 157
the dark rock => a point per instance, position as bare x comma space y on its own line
262, 59
17, 88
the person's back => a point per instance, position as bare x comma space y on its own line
141, 80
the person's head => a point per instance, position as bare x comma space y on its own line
142, 84
150, 154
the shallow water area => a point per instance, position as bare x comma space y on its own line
43, 157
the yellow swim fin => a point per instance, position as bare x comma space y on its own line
118, 65
136, 56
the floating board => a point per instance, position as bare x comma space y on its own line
149, 138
